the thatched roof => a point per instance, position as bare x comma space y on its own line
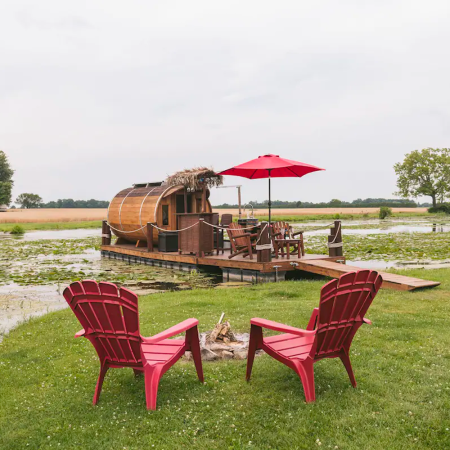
196, 178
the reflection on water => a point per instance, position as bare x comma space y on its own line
54, 234
383, 265
413, 228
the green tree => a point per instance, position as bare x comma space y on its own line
425, 172
335, 202
29, 201
6, 182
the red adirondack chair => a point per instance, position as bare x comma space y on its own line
111, 322
330, 331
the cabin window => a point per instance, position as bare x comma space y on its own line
165, 215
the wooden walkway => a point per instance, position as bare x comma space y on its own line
390, 280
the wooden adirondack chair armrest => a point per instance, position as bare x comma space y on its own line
367, 321
172, 331
80, 333
235, 236
271, 325
297, 232
312, 321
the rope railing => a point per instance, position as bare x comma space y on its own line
175, 231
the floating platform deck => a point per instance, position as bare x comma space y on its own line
245, 269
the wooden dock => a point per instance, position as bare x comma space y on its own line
244, 269
390, 280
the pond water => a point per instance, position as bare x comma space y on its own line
54, 234
35, 267
361, 228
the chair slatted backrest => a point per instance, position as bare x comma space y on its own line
234, 229
215, 219
278, 232
110, 319
343, 304
226, 219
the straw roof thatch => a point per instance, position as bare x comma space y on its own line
194, 179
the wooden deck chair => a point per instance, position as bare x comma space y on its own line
330, 331
241, 241
284, 240
110, 321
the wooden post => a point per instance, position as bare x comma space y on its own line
106, 233
201, 251
264, 239
204, 199
150, 236
185, 201
334, 239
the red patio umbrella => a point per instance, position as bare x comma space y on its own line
270, 166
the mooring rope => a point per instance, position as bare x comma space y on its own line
319, 228
226, 228
123, 231
175, 231
213, 226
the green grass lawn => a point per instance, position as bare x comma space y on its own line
401, 363
7, 227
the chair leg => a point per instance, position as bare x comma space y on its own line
152, 377
98, 388
348, 366
137, 372
194, 346
305, 371
253, 345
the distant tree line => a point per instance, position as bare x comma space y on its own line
335, 203
28, 201
70, 203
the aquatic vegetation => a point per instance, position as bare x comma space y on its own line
61, 261
17, 229
385, 212
392, 246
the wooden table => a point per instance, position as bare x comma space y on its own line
281, 243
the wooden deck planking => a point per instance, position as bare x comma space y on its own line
318, 264
390, 280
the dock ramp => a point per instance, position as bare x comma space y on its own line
390, 280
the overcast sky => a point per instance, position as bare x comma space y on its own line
95, 96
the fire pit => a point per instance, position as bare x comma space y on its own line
221, 343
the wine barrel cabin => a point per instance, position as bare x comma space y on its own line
159, 203
132, 208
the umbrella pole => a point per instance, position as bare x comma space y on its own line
270, 203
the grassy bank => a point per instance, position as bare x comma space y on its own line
353, 216
7, 227
402, 366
